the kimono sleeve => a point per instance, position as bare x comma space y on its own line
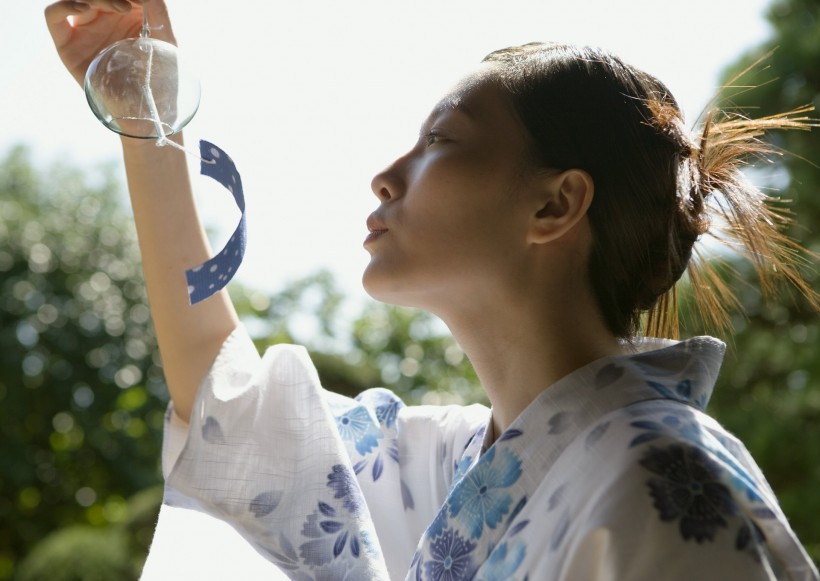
262, 453
322, 485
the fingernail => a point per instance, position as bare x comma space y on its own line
80, 7
121, 6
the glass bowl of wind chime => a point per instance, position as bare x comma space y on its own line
140, 87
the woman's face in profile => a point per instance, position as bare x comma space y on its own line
452, 215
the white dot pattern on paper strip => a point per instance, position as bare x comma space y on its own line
204, 282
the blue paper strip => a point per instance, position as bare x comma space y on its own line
212, 275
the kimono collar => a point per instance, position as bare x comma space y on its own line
648, 368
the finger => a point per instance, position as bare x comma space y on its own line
158, 11
122, 6
57, 18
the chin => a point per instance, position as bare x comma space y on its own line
385, 288
377, 285
370, 281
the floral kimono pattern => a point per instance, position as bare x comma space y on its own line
614, 472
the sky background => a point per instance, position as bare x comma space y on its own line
312, 98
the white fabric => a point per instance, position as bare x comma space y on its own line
191, 544
614, 472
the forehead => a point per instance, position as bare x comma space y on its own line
477, 94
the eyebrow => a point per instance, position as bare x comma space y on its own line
453, 104
450, 104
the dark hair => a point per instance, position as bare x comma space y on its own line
585, 108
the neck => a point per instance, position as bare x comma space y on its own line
521, 350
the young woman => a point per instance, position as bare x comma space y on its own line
548, 207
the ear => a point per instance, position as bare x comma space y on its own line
563, 201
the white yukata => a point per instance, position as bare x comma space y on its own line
612, 473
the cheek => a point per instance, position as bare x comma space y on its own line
441, 193
462, 228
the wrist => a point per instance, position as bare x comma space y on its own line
142, 145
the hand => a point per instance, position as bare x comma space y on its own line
98, 24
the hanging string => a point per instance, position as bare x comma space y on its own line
148, 93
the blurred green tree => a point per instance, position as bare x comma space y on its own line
769, 390
407, 350
81, 390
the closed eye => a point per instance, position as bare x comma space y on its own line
433, 137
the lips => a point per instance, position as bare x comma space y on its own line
375, 227
374, 234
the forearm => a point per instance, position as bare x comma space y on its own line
172, 239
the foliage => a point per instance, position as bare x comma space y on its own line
61, 556
408, 350
115, 552
81, 391
769, 391
415, 357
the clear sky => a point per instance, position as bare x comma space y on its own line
311, 98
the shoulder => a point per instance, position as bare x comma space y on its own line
685, 462
238, 366
663, 438
674, 492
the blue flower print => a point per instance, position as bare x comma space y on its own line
608, 375
329, 529
682, 391
689, 489
369, 543
344, 486
684, 426
385, 403
330, 537
470, 455
388, 412
418, 564
284, 555
407, 497
436, 527
518, 508
265, 503
377, 468
357, 426
503, 562
375, 440
212, 431
510, 434
481, 497
450, 558
461, 468
749, 539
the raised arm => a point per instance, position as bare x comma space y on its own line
171, 236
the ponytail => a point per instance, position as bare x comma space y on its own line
715, 197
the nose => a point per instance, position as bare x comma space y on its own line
388, 183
